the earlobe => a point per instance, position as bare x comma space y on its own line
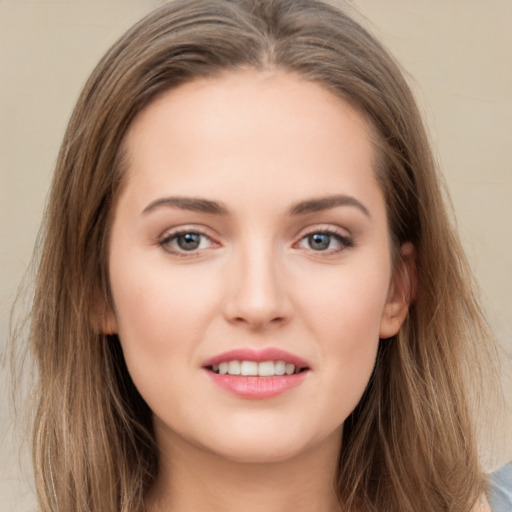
103, 317
402, 292
109, 322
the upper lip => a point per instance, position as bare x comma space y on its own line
257, 355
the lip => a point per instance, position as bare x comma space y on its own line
257, 388
266, 354
254, 387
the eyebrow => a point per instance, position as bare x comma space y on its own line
188, 203
216, 208
327, 202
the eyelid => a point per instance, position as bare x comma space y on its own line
345, 238
169, 234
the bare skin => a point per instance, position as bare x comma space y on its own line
301, 484
251, 219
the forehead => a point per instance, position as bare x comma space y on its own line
254, 128
241, 98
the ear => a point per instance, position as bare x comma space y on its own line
109, 321
103, 317
402, 292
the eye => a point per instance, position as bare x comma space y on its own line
182, 242
325, 241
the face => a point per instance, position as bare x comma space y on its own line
250, 265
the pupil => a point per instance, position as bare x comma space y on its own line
319, 241
189, 241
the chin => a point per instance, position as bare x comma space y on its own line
254, 453
264, 444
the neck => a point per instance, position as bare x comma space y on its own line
193, 480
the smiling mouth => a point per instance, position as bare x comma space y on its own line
256, 369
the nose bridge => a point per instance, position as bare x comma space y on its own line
257, 294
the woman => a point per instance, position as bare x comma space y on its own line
249, 291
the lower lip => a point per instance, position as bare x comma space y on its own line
257, 387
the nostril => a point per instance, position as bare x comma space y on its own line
259, 321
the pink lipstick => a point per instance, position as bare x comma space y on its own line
257, 374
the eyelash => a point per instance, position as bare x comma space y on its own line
345, 242
166, 240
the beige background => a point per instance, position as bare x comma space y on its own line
457, 53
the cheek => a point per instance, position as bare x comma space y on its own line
347, 301
161, 318
160, 314
345, 317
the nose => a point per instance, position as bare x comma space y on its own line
257, 295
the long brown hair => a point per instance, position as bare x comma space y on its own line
410, 443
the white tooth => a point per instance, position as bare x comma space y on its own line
249, 368
289, 369
279, 368
266, 369
234, 367
223, 368
215, 368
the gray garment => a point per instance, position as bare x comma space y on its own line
500, 489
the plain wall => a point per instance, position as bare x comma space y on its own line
457, 53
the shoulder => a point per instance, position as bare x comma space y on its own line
482, 506
500, 490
